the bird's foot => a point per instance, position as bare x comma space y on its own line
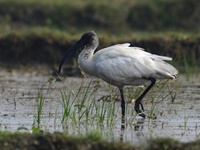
142, 115
138, 111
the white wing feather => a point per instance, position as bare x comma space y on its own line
115, 63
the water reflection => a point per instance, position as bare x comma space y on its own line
122, 129
139, 125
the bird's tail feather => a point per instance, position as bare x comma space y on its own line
163, 57
166, 70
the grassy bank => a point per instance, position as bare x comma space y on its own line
56, 141
47, 46
40, 32
138, 15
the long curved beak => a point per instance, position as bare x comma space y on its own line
76, 46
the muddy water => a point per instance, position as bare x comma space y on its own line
178, 118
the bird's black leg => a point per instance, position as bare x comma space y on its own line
142, 107
138, 101
123, 109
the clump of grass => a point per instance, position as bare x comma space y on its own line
84, 108
75, 110
40, 104
66, 106
40, 101
57, 140
83, 111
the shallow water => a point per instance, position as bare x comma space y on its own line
19, 95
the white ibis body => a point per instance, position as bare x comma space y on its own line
121, 65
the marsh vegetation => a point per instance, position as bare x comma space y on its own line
35, 34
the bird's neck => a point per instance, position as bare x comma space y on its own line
85, 61
87, 53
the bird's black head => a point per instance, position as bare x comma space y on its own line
88, 39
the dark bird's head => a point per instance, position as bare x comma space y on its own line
88, 39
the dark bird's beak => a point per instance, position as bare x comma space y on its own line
76, 46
